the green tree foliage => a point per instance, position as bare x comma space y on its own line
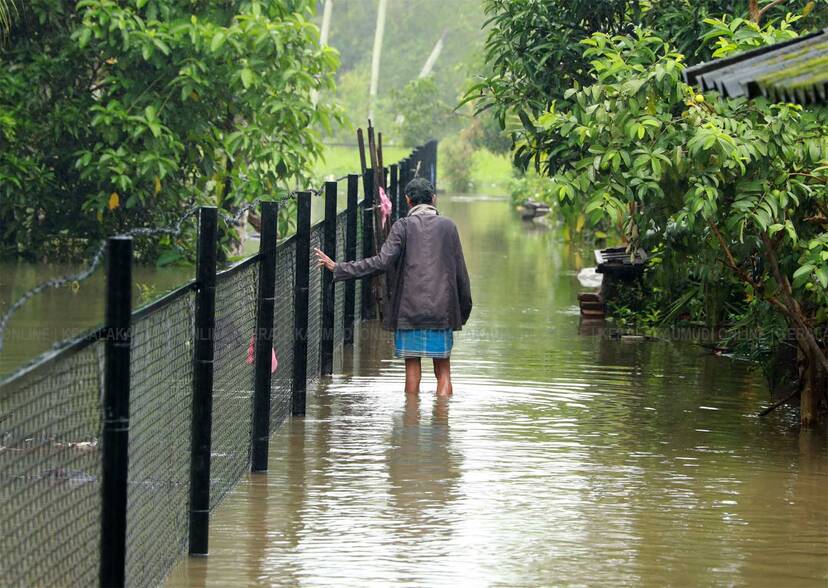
485, 133
457, 156
533, 51
412, 29
747, 181
420, 112
121, 114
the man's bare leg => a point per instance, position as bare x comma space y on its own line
442, 371
413, 371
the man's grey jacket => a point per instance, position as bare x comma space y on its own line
426, 270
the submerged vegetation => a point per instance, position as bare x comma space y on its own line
729, 196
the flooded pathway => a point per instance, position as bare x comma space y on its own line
561, 459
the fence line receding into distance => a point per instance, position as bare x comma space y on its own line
115, 447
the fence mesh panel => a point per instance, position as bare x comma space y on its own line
50, 423
359, 283
161, 387
283, 313
233, 378
339, 287
314, 306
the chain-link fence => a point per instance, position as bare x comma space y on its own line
52, 413
339, 287
161, 389
359, 284
50, 470
314, 306
233, 378
283, 318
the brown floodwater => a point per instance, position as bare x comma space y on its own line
57, 314
562, 458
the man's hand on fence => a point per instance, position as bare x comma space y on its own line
323, 260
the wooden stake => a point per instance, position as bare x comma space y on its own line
379, 162
361, 143
372, 151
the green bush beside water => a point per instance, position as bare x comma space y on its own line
729, 195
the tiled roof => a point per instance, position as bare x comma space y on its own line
792, 71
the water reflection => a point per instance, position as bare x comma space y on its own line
61, 313
423, 473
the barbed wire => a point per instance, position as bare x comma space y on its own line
339, 179
53, 283
173, 230
233, 220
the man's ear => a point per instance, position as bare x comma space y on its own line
408, 201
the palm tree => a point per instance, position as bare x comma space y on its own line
8, 13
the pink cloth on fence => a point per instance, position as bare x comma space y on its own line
385, 206
251, 355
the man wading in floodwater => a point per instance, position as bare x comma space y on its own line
431, 295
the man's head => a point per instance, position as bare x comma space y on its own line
419, 191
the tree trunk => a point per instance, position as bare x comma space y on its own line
753, 11
814, 372
432, 58
757, 13
813, 382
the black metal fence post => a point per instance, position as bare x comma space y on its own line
422, 152
202, 412
412, 164
264, 337
115, 436
328, 292
393, 188
367, 303
300, 304
350, 255
434, 144
405, 177
417, 164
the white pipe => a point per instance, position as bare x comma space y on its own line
375, 57
326, 22
323, 39
432, 59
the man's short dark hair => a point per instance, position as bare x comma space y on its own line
419, 191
